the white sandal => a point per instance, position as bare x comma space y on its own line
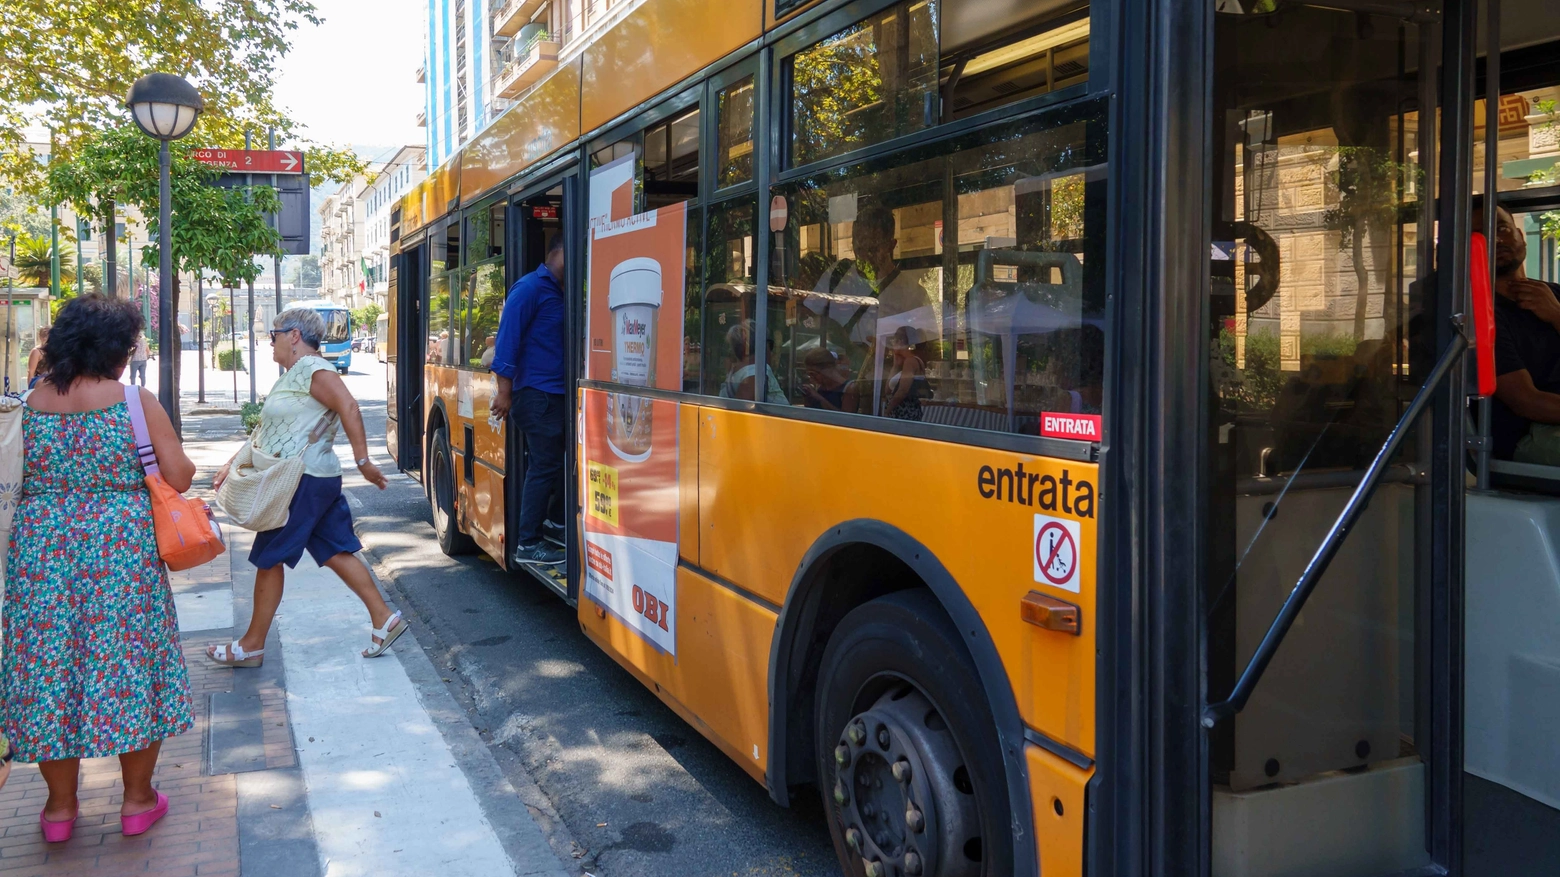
233, 655
395, 625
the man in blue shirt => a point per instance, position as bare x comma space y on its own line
529, 365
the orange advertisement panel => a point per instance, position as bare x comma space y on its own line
630, 440
631, 503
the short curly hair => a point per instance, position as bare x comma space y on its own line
92, 337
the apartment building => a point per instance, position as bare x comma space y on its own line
342, 238
404, 170
482, 55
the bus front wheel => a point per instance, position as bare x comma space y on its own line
908, 759
442, 469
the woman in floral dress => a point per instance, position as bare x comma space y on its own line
92, 664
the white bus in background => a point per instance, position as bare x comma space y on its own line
381, 335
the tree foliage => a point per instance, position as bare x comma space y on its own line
21, 215
69, 66
33, 260
213, 228
303, 272
364, 317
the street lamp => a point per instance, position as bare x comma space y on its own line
165, 107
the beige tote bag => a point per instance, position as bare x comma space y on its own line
259, 488
11, 465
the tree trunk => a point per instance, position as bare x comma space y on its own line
110, 251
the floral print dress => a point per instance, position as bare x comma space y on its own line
92, 665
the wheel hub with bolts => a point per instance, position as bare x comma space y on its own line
898, 773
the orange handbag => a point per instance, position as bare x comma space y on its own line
187, 532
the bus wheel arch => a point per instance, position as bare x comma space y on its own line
437, 419
851, 564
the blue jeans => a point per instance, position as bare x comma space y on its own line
540, 418
138, 371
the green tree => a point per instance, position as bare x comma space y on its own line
33, 260
22, 215
304, 272
364, 317
68, 67
214, 229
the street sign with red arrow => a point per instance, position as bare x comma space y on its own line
253, 161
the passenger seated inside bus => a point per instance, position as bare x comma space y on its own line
828, 384
1525, 415
906, 384
741, 370
488, 350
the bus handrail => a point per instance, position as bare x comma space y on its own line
1268, 648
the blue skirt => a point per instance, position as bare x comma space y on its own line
317, 520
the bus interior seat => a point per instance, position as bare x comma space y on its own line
1512, 685
1530, 477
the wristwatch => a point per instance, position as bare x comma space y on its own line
363, 462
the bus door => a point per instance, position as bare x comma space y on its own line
1325, 558
1511, 680
404, 371
537, 214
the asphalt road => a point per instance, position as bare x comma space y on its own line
626, 787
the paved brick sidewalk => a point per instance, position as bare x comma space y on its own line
199, 836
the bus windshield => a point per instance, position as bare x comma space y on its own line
338, 326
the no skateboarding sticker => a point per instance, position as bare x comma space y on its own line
1056, 553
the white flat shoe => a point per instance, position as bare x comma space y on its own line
233, 655
395, 625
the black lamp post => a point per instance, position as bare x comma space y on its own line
165, 107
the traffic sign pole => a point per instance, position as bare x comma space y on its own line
276, 221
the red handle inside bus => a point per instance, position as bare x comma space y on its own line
1483, 314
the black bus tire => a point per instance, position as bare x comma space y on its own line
902, 721
442, 472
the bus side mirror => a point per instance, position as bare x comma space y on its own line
1483, 305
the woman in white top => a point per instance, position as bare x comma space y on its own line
299, 419
742, 378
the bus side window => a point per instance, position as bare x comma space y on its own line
960, 286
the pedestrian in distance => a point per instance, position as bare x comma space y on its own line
37, 360
296, 421
138, 359
528, 363
92, 665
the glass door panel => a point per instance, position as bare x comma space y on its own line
1317, 342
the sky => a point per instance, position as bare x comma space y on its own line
352, 81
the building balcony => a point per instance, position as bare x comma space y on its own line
512, 16
530, 63
422, 73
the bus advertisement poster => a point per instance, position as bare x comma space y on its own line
631, 503
630, 474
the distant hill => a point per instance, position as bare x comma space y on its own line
369, 153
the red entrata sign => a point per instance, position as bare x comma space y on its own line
1078, 427
252, 161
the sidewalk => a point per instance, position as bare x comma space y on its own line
219, 384
318, 764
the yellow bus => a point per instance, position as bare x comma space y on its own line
1036, 428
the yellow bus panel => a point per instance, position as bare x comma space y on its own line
660, 42
414, 214
545, 121
688, 482
769, 487
1057, 790
444, 187
719, 679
